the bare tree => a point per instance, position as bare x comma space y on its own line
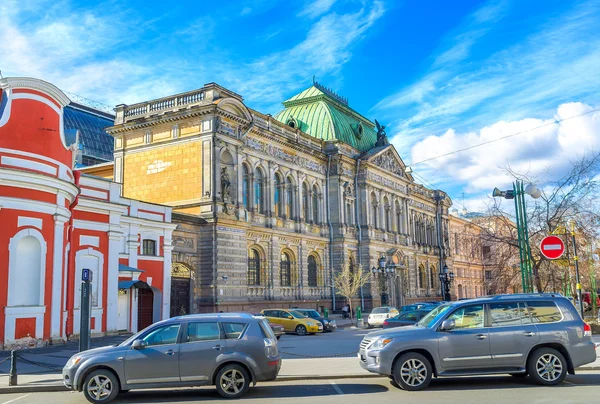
573, 196
347, 283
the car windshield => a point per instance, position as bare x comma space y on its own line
433, 316
311, 313
297, 314
380, 310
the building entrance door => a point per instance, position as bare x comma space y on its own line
180, 296
145, 308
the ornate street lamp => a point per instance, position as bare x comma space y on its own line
446, 279
384, 273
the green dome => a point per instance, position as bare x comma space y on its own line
324, 115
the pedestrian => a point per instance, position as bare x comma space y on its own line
345, 311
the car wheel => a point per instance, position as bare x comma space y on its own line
232, 381
547, 366
101, 386
412, 372
301, 330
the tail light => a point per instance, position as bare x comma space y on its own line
587, 330
386, 323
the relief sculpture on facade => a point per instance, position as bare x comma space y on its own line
388, 162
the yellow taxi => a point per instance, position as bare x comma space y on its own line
293, 321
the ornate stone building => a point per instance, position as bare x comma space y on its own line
269, 207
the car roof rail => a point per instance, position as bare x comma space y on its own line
522, 295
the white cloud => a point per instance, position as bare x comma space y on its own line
316, 8
544, 154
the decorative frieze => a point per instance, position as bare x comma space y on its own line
371, 176
389, 162
421, 205
281, 154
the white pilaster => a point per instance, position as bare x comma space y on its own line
168, 249
112, 291
57, 275
134, 310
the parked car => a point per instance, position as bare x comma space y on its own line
418, 306
293, 321
379, 315
405, 319
539, 335
328, 324
278, 330
229, 350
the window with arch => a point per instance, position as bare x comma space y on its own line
315, 204
285, 269
259, 187
245, 187
27, 261
373, 209
289, 202
398, 217
387, 212
422, 277
253, 267
432, 277
305, 202
349, 214
313, 270
278, 196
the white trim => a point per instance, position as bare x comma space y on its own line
98, 277
37, 181
28, 164
66, 168
94, 241
88, 225
57, 265
13, 313
12, 245
92, 193
104, 207
143, 257
36, 85
112, 293
23, 221
151, 216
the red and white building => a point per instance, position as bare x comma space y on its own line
56, 222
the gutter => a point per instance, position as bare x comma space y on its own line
359, 231
330, 234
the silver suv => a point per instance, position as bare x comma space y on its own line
228, 350
540, 335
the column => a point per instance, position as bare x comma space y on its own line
132, 246
57, 274
112, 292
168, 256
134, 310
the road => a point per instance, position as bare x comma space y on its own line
582, 388
341, 343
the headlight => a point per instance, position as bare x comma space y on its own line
73, 361
332, 322
381, 343
310, 323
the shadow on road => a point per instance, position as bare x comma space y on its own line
504, 382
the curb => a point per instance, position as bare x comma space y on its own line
32, 389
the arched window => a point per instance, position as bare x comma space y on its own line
398, 217
373, 209
460, 292
305, 202
289, 202
387, 208
259, 187
432, 277
278, 195
253, 267
349, 214
285, 269
312, 271
422, 277
25, 270
245, 187
315, 204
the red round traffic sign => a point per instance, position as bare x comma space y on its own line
552, 247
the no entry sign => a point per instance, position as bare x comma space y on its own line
552, 247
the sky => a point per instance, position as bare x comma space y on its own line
442, 76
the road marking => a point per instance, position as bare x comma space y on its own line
336, 388
15, 399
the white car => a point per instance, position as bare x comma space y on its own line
379, 315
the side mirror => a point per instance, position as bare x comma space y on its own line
448, 325
290, 317
139, 344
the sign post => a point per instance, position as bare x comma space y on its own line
86, 303
552, 247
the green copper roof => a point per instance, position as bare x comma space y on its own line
325, 115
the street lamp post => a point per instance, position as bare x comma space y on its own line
446, 279
383, 271
576, 259
518, 194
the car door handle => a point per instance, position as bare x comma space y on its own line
529, 334
481, 336
170, 352
217, 347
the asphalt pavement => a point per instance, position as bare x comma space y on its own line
582, 388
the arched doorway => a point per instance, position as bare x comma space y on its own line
181, 279
145, 308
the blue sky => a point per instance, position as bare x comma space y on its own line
441, 75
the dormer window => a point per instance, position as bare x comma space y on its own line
292, 123
359, 130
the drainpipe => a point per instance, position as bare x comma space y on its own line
439, 206
214, 209
77, 177
330, 234
359, 231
